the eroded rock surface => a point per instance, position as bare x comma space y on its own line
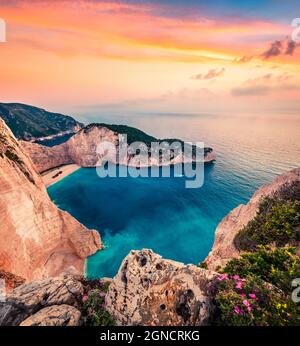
150, 290
223, 249
56, 315
28, 302
38, 240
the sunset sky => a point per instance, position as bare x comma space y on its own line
151, 56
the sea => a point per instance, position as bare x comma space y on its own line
161, 213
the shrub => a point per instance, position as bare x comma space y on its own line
93, 308
252, 302
203, 265
277, 221
255, 289
278, 267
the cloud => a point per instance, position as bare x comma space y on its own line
274, 50
269, 78
283, 47
250, 91
277, 48
243, 59
291, 46
263, 85
212, 73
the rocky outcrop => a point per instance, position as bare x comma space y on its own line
56, 315
223, 249
54, 301
38, 239
152, 291
87, 147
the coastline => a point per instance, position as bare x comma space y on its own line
54, 175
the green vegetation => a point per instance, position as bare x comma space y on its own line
253, 302
28, 122
93, 304
277, 221
13, 156
136, 135
255, 289
203, 265
133, 134
278, 267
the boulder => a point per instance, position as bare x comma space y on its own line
56, 315
29, 299
152, 291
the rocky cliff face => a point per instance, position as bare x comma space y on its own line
38, 239
150, 290
223, 249
49, 302
81, 149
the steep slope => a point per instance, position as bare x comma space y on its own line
81, 148
28, 122
224, 249
37, 239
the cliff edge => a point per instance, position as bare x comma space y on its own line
38, 239
223, 248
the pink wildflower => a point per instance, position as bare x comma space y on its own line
238, 310
247, 304
252, 296
239, 285
236, 277
85, 298
223, 277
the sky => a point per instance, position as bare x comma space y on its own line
114, 57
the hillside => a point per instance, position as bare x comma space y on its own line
28, 122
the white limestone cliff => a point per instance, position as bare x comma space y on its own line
37, 239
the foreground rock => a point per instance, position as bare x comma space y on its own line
38, 239
149, 290
52, 301
56, 315
223, 249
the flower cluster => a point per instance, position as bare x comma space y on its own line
93, 304
251, 302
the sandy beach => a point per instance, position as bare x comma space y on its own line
54, 175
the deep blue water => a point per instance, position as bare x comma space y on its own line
160, 213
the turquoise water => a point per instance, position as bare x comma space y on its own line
160, 213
